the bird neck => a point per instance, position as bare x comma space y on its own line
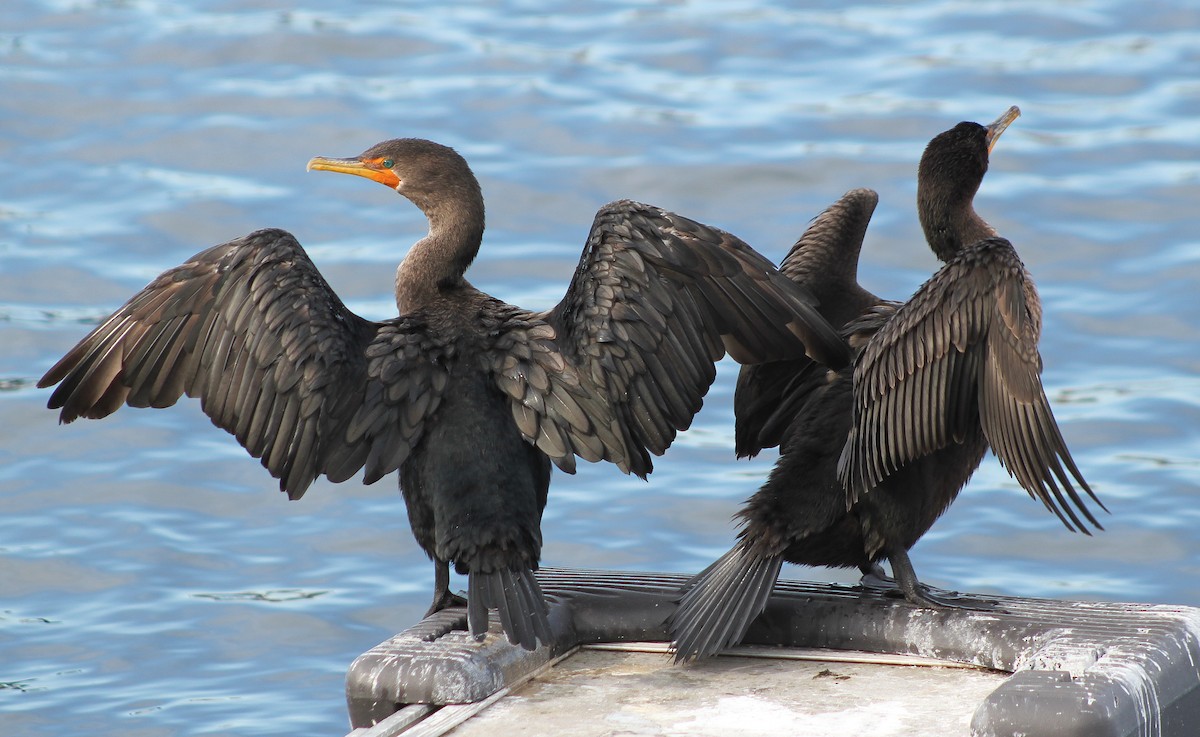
435, 264
950, 225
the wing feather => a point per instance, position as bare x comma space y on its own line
252, 329
824, 260
623, 362
963, 352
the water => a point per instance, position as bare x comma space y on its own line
154, 582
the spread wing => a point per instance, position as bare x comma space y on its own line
622, 363
555, 407
252, 329
824, 261
961, 352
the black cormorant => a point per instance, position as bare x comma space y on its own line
470, 398
874, 453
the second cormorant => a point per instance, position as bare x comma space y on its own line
871, 455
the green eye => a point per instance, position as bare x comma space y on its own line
388, 163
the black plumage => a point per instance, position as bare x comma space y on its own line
872, 454
471, 399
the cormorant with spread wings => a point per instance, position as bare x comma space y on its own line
470, 398
872, 454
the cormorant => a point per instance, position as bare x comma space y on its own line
874, 453
470, 398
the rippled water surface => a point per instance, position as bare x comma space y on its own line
152, 579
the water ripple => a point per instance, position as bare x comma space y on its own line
158, 582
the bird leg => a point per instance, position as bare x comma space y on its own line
442, 598
917, 593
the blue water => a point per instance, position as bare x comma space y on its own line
153, 581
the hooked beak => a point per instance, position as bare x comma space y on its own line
998, 125
369, 168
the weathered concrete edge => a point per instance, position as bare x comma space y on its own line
435, 662
1076, 687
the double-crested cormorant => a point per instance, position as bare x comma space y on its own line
873, 454
469, 397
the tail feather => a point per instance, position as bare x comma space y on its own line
519, 601
477, 608
720, 603
535, 602
500, 596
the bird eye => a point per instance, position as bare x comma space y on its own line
388, 163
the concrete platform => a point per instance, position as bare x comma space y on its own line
603, 692
1037, 667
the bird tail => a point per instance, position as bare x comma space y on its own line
719, 604
518, 599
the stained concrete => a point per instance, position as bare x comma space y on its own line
599, 692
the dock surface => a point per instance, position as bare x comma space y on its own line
822, 659
604, 692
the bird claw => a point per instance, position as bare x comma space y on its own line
926, 597
877, 580
444, 601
